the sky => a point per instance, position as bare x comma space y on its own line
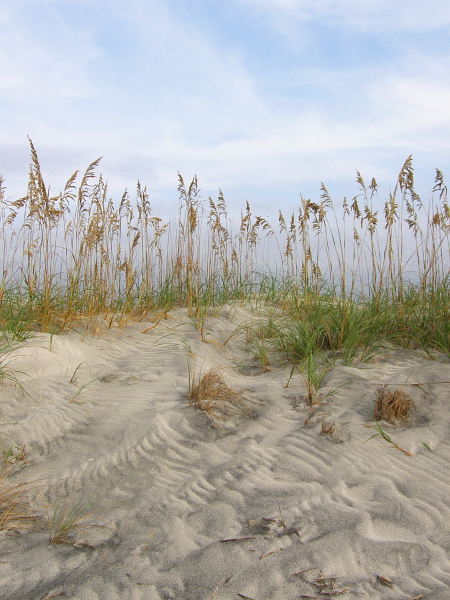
265, 99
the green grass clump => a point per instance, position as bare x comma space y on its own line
345, 279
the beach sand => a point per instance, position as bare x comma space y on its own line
261, 505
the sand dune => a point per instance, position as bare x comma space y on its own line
260, 506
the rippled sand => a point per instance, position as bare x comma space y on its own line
261, 506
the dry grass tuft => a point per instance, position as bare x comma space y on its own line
329, 430
15, 500
393, 405
210, 394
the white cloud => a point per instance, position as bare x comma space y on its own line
43, 59
154, 91
367, 15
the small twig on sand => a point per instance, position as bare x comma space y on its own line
253, 537
384, 580
269, 553
304, 571
224, 580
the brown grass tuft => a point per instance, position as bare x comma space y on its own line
393, 405
210, 394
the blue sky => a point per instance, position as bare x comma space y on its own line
263, 98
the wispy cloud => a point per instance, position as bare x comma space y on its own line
254, 96
370, 15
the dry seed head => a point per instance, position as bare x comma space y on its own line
192, 218
355, 208
390, 211
373, 187
406, 175
360, 180
221, 203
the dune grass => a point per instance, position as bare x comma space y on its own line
341, 279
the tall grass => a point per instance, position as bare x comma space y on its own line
340, 274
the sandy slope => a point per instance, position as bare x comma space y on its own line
174, 487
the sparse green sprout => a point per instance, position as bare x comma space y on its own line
14, 454
385, 436
82, 387
67, 520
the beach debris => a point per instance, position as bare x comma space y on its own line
269, 553
251, 537
47, 596
304, 571
325, 586
225, 579
271, 527
384, 581
263, 526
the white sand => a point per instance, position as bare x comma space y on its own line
174, 487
